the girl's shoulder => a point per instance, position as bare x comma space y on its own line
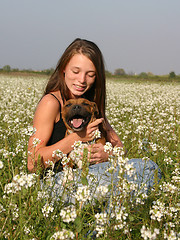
48, 105
52, 99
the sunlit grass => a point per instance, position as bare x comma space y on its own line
147, 118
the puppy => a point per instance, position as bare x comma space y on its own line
77, 114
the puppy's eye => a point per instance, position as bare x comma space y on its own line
68, 105
85, 104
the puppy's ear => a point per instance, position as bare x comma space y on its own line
95, 109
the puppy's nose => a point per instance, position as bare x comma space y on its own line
76, 107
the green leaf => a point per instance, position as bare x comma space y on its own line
131, 218
78, 223
84, 181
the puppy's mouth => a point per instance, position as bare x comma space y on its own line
78, 122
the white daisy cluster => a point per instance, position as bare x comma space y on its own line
7, 154
47, 209
68, 174
159, 210
101, 223
77, 153
121, 216
97, 134
101, 191
42, 195
176, 174
63, 235
36, 141
168, 188
171, 235
30, 131
68, 214
108, 147
83, 194
146, 233
19, 181
58, 154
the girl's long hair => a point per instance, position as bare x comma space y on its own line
97, 92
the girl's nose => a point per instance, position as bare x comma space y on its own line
82, 78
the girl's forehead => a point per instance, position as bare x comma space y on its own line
81, 60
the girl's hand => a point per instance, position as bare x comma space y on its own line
88, 133
97, 153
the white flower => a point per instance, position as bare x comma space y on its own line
58, 154
47, 209
83, 194
68, 214
19, 181
1, 164
36, 141
101, 222
63, 235
67, 174
101, 191
147, 234
97, 134
108, 147
31, 130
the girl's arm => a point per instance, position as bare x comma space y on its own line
44, 119
112, 136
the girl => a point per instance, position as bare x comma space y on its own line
80, 72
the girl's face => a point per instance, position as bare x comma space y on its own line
80, 74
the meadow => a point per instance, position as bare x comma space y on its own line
146, 116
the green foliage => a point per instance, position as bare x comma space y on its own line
145, 116
120, 72
108, 74
172, 75
7, 68
143, 75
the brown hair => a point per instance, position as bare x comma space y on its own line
97, 92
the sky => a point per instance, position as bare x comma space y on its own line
136, 35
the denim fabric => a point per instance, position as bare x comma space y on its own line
144, 173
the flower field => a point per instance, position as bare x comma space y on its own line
146, 116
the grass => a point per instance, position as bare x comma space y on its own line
146, 116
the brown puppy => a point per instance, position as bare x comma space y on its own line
77, 114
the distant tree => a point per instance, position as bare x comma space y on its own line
7, 68
172, 75
108, 74
150, 74
50, 71
120, 72
143, 75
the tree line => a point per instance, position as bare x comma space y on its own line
119, 72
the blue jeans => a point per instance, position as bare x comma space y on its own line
145, 172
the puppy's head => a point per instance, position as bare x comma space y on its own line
77, 113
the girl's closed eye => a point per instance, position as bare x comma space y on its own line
91, 75
75, 72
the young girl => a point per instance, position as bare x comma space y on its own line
80, 72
